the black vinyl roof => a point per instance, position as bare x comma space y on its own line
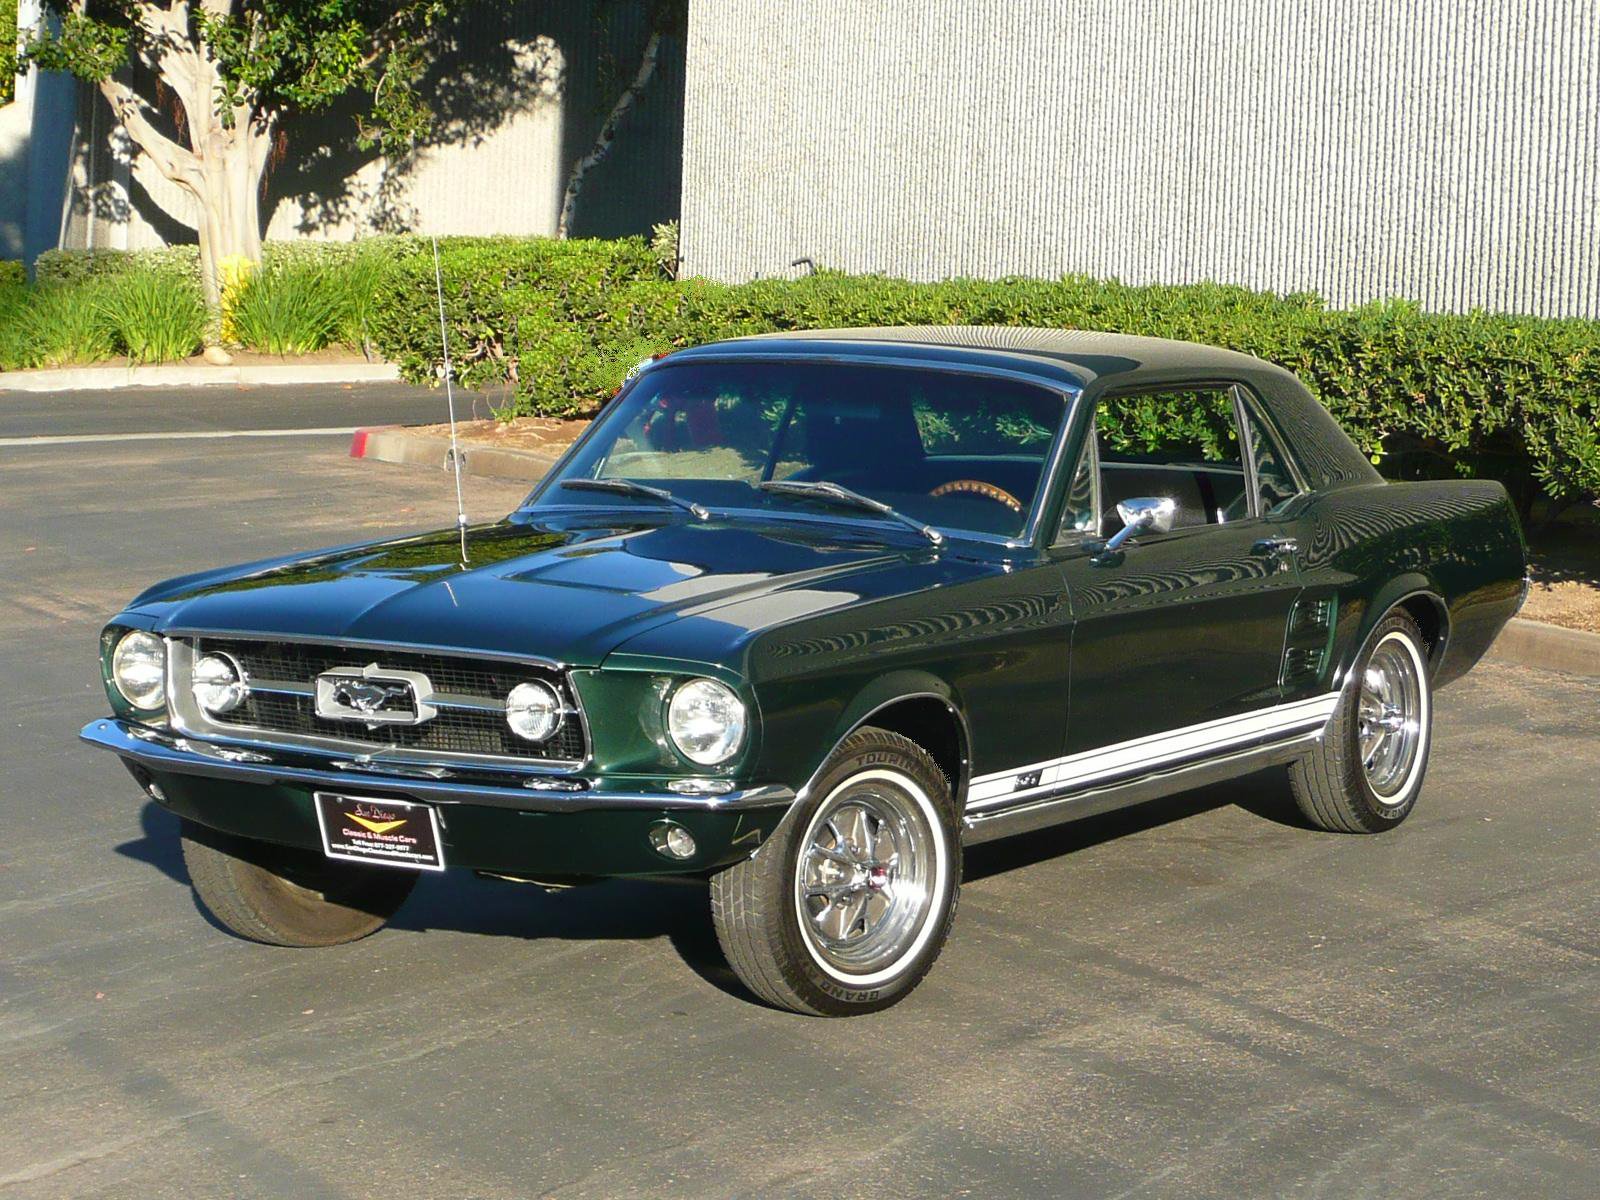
1070, 355
1087, 361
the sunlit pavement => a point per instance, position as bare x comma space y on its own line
1197, 998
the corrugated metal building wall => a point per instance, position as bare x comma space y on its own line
1444, 151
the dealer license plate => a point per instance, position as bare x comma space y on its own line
393, 833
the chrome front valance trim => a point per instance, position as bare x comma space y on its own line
158, 750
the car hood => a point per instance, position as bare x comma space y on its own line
568, 593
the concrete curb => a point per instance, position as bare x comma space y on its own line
1549, 647
82, 379
396, 444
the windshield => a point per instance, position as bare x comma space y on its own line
958, 452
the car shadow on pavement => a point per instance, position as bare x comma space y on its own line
643, 909
623, 909
157, 844
1264, 793
618, 909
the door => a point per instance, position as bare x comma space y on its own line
1178, 636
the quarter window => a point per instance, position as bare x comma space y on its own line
1274, 481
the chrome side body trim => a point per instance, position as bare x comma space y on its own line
1140, 756
1045, 811
162, 751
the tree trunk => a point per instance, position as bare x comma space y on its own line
222, 167
608, 132
229, 204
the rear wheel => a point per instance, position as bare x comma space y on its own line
847, 907
286, 896
1365, 774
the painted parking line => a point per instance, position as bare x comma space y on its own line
67, 439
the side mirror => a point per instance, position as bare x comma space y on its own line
1142, 514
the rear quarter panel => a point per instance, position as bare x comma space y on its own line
1374, 544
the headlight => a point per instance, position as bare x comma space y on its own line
533, 710
706, 722
219, 684
139, 669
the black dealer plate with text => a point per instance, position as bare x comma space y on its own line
395, 833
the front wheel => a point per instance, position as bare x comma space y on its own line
1365, 774
847, 908
286, 896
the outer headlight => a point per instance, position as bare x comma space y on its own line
706, 722
139, 669
219, 684
533, 710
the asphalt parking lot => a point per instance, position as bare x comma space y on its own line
1197, 998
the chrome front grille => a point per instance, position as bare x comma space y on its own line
468, 693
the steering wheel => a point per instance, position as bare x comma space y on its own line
977, 487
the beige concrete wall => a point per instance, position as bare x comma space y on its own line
1447, 151
520, 95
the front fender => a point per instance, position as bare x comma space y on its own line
877, 695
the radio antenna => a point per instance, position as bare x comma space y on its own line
450, 401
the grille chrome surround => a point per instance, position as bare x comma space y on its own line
468, 695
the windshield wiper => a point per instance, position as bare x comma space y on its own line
837, 493
627, 487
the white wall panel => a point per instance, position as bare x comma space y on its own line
1444, 151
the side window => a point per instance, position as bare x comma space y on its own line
1181, 444
1274, 480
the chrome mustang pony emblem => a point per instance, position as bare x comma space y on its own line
370, 697
374, 696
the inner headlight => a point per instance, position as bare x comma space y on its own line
706, 721
139, 669
219, 684
533, 710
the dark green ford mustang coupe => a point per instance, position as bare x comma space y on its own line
802, 616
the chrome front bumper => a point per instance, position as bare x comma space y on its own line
158, 750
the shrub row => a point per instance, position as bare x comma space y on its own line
538, 314
1507, 397
8, 51
559, 323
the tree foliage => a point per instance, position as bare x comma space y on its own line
8, 51
271, 56
203, 88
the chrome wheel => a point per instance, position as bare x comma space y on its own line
864, 879
1390, 720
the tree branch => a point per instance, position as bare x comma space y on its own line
608, 132
172, 160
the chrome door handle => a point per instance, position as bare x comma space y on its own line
1275, 546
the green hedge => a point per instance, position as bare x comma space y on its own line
12, 273
535, 313
559, 323
1513, 398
